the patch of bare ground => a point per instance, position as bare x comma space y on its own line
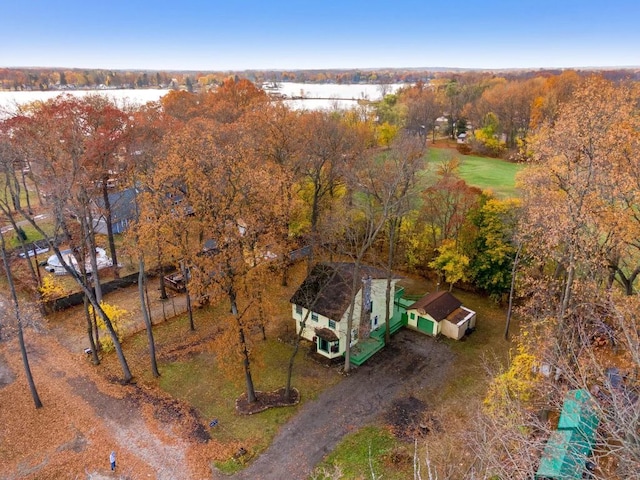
266, 400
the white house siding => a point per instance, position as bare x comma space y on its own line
310, 329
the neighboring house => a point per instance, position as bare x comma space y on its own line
440, 313
322, 303
123, 211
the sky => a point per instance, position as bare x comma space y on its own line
227, 35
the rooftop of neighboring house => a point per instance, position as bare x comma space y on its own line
122, 204
327, 288
439, 305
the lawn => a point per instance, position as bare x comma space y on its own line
190, 371
482, 172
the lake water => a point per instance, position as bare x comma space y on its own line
298, 95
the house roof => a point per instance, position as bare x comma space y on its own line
439, 305
122, 203
327, 288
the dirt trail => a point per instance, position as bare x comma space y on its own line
84, 418
412, 363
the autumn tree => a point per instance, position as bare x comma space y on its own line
221, 221
19, 322
55, 135
494, 245
328, 147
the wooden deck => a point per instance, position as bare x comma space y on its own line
368, 347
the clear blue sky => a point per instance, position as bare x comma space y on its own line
277, 34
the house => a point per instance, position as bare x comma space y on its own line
440, 313
320, 306
123, 211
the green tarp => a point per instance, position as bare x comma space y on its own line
570, 446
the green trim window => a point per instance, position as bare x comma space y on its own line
323, 345
412, 316
332, 324
314, 316
299, 309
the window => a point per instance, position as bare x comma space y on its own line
299, 309
332, 324
314, 316
412, 316
323, 345
335, 347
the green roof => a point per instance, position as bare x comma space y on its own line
564, 456
578, 414
569, 447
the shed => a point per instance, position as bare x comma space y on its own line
441, 312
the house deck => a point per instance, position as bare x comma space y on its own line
366, 348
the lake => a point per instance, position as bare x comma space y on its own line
297, 95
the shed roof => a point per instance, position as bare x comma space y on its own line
327, 288
439, 305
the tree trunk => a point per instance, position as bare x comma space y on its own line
513, 282
109, 223
296, 347
90, 324
147, 318
183, 270
354, 290
23, 350
393, 225
251, 393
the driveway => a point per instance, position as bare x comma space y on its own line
412, 364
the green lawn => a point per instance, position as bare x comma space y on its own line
482, 172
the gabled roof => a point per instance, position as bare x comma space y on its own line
439, 305
327, 289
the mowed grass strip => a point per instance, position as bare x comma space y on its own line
496, 175
367, 453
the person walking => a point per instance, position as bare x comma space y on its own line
112, 459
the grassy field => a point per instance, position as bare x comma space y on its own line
482, 172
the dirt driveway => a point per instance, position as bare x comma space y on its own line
411, 364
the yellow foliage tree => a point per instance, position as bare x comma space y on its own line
517, 383
117, 315
50, 289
